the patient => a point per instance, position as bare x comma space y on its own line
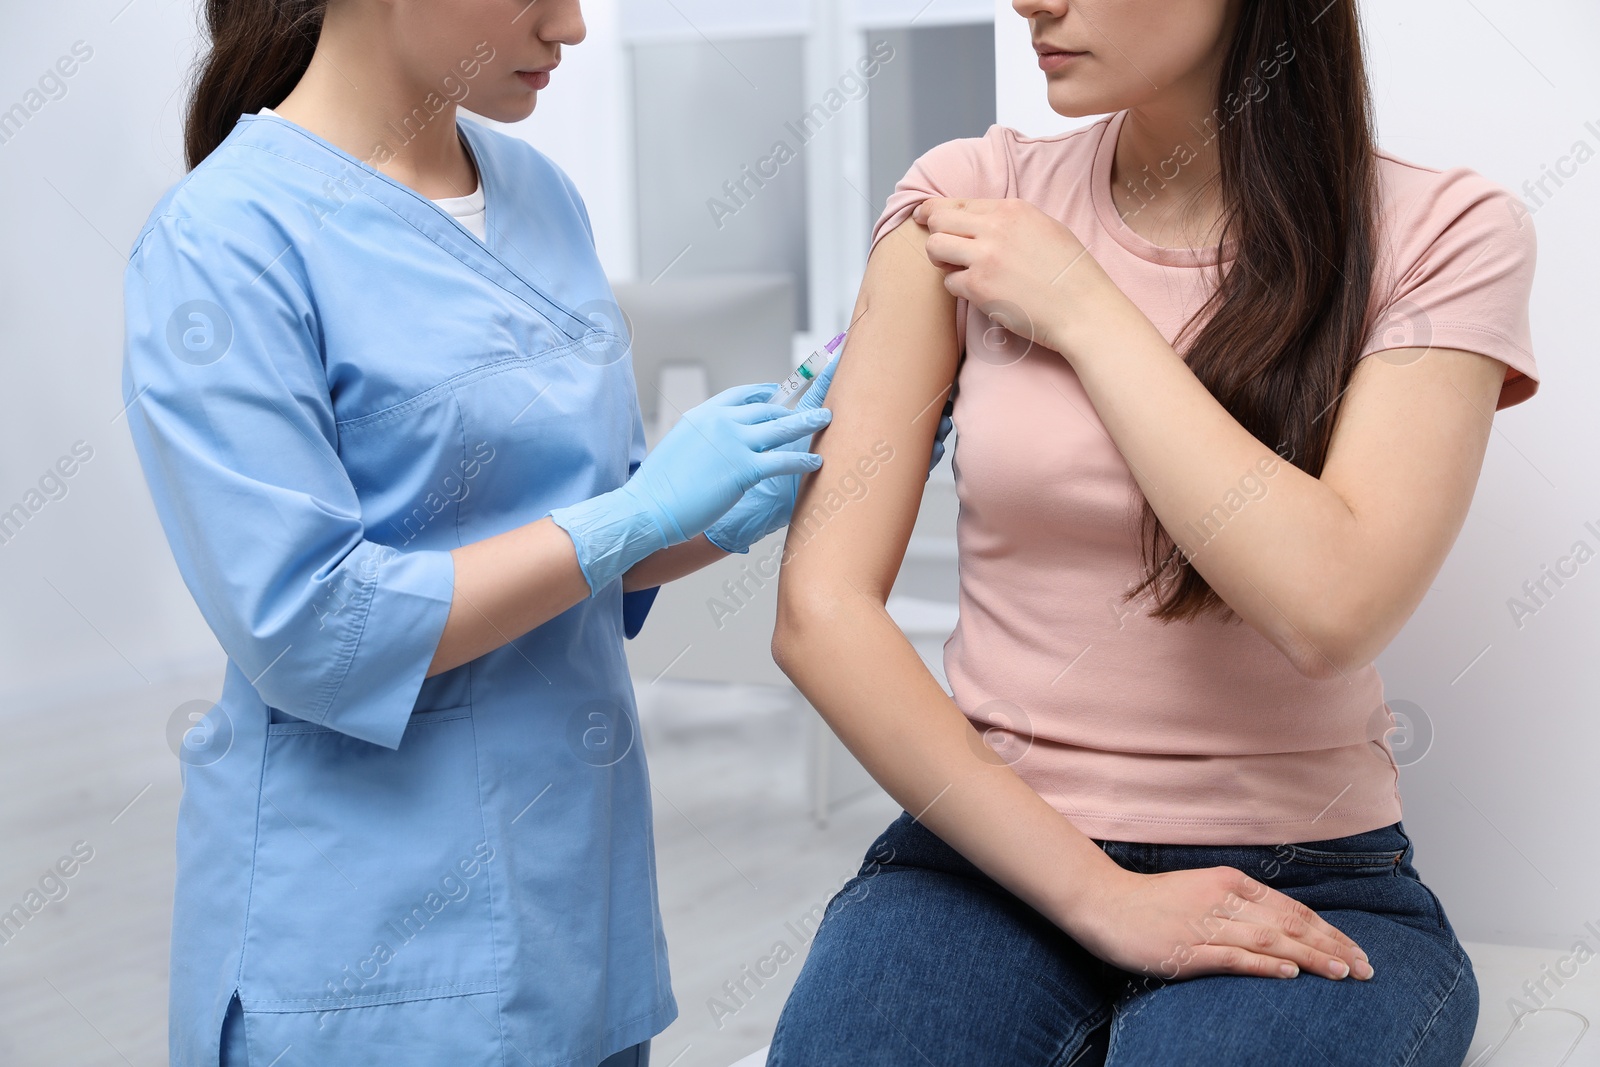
1156, 820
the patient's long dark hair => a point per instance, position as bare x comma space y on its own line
1278, 339
259, 51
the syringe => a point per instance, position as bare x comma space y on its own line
792, 388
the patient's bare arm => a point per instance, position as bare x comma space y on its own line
837, 643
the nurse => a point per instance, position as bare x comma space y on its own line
389, 422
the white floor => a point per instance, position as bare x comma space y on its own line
741, 868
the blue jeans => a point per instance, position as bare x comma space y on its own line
921, 959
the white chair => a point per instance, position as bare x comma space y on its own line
1550, 1028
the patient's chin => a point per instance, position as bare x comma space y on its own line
1075, 100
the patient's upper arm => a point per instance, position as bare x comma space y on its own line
853, 517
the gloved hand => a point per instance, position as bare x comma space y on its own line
703, 466
769, 505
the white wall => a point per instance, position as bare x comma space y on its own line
1502, 805
92, 598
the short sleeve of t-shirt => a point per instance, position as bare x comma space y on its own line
974, 167
1457, 252
1461, 275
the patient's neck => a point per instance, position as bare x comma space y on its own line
1165, 176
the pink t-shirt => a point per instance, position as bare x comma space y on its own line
1137, 730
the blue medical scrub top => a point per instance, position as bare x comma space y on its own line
330, 384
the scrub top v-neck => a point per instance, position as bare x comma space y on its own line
330, 385
467, 210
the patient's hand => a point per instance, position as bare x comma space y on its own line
1210, 920
1021, 267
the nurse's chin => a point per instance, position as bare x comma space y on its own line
513, 109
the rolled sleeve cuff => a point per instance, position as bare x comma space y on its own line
726, 540
610, 535
404, 620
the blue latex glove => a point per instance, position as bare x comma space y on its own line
768, 506
715, 453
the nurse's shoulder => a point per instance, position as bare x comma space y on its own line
215, 271
249, 187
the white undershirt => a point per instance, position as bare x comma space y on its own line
467, 210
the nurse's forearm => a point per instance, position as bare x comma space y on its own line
673, 563
511, 583
505, 586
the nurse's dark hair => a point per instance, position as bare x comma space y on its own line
258, 51
1282, 332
